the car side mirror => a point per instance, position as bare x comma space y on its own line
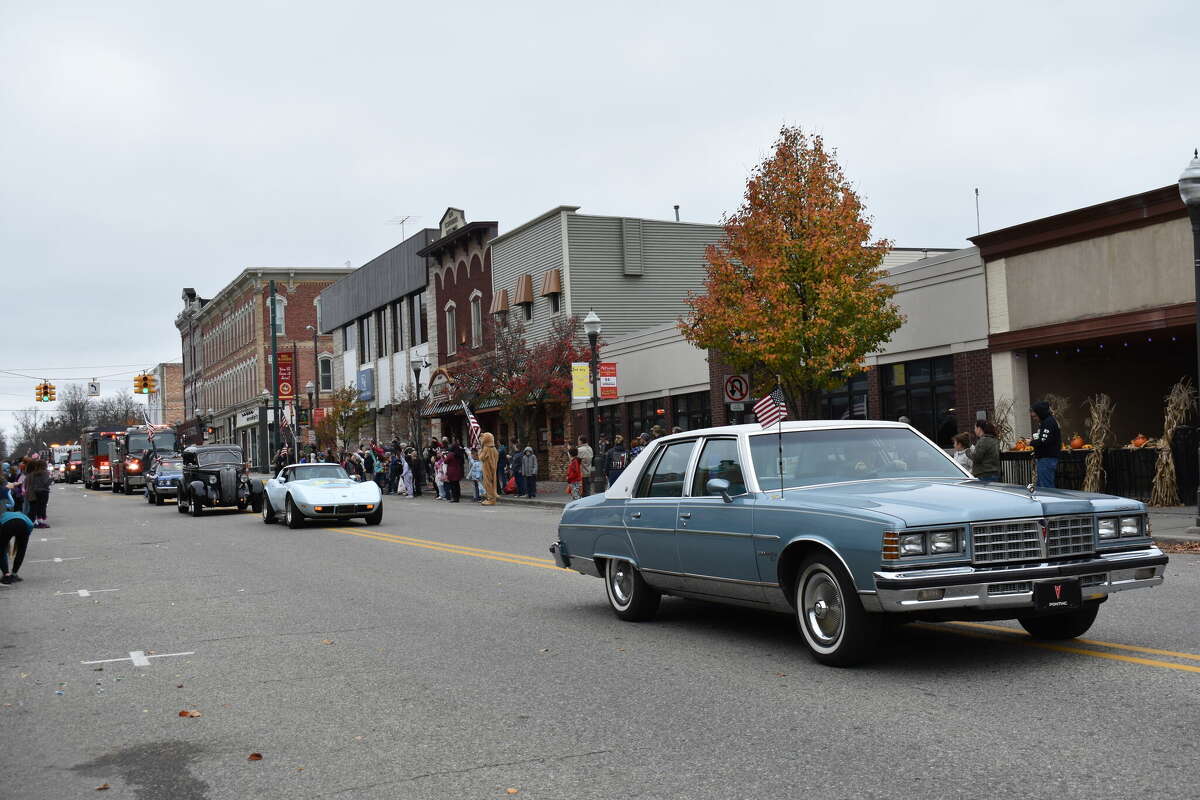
719, 486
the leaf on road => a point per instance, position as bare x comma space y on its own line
254, 757
327, 641
104, 787
511, 791
780, 674
192, 713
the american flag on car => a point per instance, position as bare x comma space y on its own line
771, 409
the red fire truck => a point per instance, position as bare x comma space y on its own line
95, 445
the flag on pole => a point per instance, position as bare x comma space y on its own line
771, 409
472, 425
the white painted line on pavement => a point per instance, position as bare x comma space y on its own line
138, 656
52, 539
83, 592
55, 560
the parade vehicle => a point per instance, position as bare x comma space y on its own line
162, 478
134, 451
320, 491
217, 475
95, 456
58, 458
74, 465
846, 525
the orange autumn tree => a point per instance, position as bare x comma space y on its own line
795, 287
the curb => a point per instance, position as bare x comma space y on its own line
509, 501
1178, 538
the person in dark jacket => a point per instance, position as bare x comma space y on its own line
985, 455
14, 528
1047, 442
455, 461
614, 459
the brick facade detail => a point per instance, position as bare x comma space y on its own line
972, 387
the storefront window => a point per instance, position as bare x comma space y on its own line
691, 411
645, 414
923, 391
848, 401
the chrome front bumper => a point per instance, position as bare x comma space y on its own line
993, 588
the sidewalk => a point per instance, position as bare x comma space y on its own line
1174, 524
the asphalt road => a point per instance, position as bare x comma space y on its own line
391, 662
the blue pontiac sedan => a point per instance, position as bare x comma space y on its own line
848, 524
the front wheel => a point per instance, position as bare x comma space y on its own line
1061, 626
268, 513
195, 506
181, 502
376, 516
292, 515
630, 596
158, 499
836, 628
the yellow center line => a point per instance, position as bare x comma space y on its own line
1130, 647
415, 540
1062, 648
511, 558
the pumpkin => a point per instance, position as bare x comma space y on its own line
1077, 442
1139, 440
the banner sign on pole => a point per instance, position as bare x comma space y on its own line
318, 416
608, 380
581, 381
285, 369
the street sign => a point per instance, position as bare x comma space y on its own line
93, 389
581, 386
737, 406
608, 380
737, 388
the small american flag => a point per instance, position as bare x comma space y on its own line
472, 424
771, 409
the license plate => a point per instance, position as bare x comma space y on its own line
1057, 595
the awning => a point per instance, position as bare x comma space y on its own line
440, 408
499, 302
552, 282
524, 290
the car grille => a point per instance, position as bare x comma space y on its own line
350, 508
1021, 540
1069, 536
1016, 587
1007, 541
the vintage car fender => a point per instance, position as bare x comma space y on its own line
611, 545
197, 489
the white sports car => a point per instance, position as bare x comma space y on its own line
320, 491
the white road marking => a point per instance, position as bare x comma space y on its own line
52, 538
83, 592
138, 656
54, 560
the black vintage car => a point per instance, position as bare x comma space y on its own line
216, 475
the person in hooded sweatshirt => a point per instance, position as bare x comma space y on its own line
1047, 442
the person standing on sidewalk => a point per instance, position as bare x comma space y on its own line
585, 456
455, 459
14, 528
518, 469
985, 455
489, 456
1047, 443
529, 468
574, 473
614, 459
37, 489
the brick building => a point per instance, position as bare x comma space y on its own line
165, 407
226, 343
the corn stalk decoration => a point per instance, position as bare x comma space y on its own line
1181, 402
1060, 407
1100, 408
1003, 420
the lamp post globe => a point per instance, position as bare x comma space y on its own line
1189, 191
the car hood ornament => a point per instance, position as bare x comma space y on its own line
1032, 489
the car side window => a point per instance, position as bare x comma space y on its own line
719, 459
670, 471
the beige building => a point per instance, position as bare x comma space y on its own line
165, 407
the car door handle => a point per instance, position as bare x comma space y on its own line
636, 515
688, 515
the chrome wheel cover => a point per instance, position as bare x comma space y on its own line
620, 583
821, 607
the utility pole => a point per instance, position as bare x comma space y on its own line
274, 372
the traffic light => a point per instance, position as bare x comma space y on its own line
51, 392
39, 392
151, 383
141, 384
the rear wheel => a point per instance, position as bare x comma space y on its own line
158, 499
181, 502
195, 506
292, 515
114, 487
1061, 626
630, 596
241, 505
836, 628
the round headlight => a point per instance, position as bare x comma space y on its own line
1108, 528
212, 479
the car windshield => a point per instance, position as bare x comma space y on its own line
318, 471
168, 466
76, 454
213, 458
848, 454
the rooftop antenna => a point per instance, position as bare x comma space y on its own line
978, 227
401, 221
677, 212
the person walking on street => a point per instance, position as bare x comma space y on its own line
614, 459
14, 528
489, 457
529, 468
1047, 442
985, 455
585, 456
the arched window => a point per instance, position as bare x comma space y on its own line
326, 365
451, 329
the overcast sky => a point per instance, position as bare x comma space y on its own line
145, 147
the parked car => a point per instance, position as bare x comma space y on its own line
320, 491
216, 475
163, 478
869, 521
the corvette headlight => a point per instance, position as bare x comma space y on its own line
1131, 526
1108, 528
912, 544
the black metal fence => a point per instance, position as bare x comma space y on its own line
1127, 472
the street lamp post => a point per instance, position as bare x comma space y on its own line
264, 445
591, 326
417, 368
316, 370
1189, 190
312, 422
209, 421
